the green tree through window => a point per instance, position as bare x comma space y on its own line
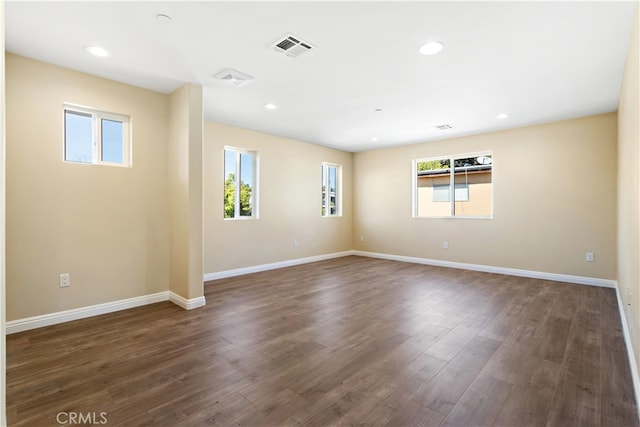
242, 164
230, 197
433, 165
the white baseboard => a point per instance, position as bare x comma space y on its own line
631, 356
187, 304
581, 280
20, 325
273, 266
34, 322
591, 281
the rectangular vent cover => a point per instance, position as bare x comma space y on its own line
291, 46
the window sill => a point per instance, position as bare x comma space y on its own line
453, 217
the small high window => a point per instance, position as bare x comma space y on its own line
96, 137
464, 190
331, 189
240, 183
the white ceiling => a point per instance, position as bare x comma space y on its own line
538, 61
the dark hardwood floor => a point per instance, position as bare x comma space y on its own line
350, 341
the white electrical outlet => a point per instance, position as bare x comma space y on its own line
445, 245
628, 296
65, 280
295, 243
362, 238
589, 257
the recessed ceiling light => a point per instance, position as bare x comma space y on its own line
270, 106
377, 110
97, 51
503, 116
163, 19
374, 139
431, 48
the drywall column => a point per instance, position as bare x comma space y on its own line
629, 195
185, 196
3, 341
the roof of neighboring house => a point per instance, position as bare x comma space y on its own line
437, 172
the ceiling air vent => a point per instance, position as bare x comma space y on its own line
291, 46
234, 77
444, 127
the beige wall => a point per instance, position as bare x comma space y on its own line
554, 199
185, 191
629, 188
3, 400
106, 226
290, 197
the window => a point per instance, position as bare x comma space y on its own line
441, 192
96, 137
466, 190
240, 183
331, 186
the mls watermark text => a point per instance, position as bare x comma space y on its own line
74, 418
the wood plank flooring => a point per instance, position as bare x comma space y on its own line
350, 341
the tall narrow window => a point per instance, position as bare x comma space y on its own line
92, 136
240, 183
331, 197
464, 190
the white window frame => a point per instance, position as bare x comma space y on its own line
325, 183
451, 158
254, 183
96, 126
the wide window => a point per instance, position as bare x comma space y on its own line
240, 183
92, 136
464, 190
331, 197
